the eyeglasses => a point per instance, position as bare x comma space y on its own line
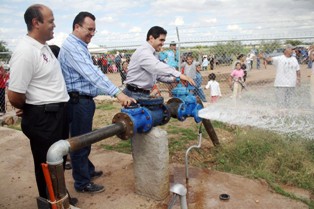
90, 30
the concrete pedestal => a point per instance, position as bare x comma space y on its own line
151, 164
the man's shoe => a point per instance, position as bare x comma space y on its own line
73, 201
96, 174
92, 188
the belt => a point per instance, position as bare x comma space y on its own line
52, 107
59, 104
77, 95
136, 89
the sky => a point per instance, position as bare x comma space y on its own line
126, 22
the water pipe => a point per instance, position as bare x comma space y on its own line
188, 150
181, 191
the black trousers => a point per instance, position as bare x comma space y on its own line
44, 126
2, 100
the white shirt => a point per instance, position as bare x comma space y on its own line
145, 69
286, 67
214, 88
36, 72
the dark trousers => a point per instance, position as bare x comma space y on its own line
2, 100
81, 112
43, 128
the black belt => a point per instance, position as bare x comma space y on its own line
136, 89
79, 96
52, 107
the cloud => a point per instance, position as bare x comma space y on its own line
135, 30
233, 27
178, 21
211, 20
106, 19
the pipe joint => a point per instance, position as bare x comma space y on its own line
56, 152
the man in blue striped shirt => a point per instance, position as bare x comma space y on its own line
83, 81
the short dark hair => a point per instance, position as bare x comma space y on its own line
212, 76
155, 31
32, 12
238, 63
79, 19
240, 56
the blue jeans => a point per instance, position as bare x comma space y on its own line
135, 95
81, 115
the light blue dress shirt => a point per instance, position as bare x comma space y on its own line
79, 72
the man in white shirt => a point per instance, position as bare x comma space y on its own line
288, 76
38, 89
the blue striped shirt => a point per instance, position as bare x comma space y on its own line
79, 72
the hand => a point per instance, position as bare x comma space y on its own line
19, 112
298, 82
155, 93
125, 100
188, 79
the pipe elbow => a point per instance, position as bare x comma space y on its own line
178, 189
56, 152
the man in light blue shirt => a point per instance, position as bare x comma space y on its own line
170, 56
83, 80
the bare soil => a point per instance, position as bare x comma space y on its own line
18, 188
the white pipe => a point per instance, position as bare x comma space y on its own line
179, 50
179, 189
188, 150
57, 151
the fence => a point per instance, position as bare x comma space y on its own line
219, 57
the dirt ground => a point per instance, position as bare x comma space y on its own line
18, 188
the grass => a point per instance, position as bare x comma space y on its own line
275, 158
106, 106
123, 146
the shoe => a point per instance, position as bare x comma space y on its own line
96, 174
73, 201
91, 188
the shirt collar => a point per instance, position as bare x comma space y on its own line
150, 47
35, 43
78, 40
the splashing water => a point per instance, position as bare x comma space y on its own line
258, 108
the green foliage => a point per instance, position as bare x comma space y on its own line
294, 42
4, 49
270, 46
180, 137
106, 106
123, 146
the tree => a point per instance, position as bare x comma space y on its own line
4, 52
294, 42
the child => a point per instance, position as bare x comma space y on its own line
198, 91
236, 80
215, 92
189, 66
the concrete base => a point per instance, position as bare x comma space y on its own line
151, 164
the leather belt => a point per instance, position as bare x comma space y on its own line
136, 89
77, 95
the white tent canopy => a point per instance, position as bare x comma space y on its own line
95, 49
